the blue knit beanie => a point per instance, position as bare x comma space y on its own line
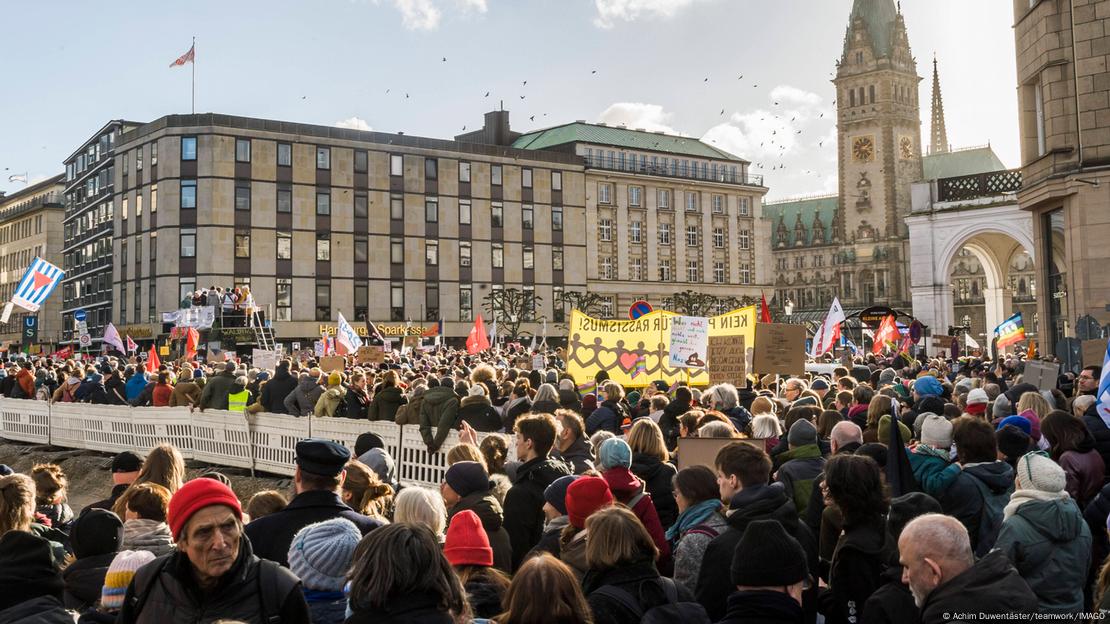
615, 452
556, 493
926, 385
321, 553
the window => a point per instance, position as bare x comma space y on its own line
692, 273
396, 207
526, 216
664, 233
497, 214
605, 230
557, 218
636, 232
1038, 103
526, 178
691, 202
431, 168
871, 93
718, 272
362, 248
396, 165
497, 252
242, 150
323, 247
362, 161
186, 288
323, 158
556, 180
361, 206
153, 198
665, 270
285, 155
852, 92
495, 175
604, 193
323, 301
396, 301
284, 200
284, 245
718, 238
606, 271
188, 244
138, 205
242, 245
362, 302
431, 253
153, 154
242, 197
745, 206
464, 172
431, 209
634, 194
718, 204
466, 302
188, 148
691, 236
464, 253
139, 159
607, 307
396, 251
745, 239
323, 203
188, 194
431, 302
635, 269
529, 258
745, 274
464, 212
283, 300
556, 258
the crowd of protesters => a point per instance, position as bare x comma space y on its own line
924, 491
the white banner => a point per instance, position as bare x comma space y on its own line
689, 341
199, 317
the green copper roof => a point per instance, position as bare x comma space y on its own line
960, 163
786, 213
879, 15
578, 132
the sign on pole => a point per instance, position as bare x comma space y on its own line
639, 309
779, 349
79, 315
1041, 374
689, 341
30, 329
727, 360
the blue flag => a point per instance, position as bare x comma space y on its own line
1104, 388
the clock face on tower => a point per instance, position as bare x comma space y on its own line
863, 149
905, 145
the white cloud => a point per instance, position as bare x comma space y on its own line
418, 14
650, 117
611, 11
479, 6
794, 95
354, 123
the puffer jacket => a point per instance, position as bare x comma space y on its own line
658, 478
386, 402
1050, 545
440, 410
607, 417
185, 394
302, 400
524, 502
485, 506
478, 412
329, 401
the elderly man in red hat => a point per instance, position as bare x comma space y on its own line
213, 574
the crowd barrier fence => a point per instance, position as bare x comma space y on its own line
263, 442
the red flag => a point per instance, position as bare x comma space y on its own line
888, 332
188, 57
152, 361
131, 346
477, 340
65, 353
764, 311
192, 337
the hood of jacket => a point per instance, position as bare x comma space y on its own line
647, 466
281, 373
1057, 520
485, 506
622, 482
335, 393
998, 476
237, 387
475, 400
439, 395
807, 451
390, 393
568, 397
579, 449
993, 577
306, 384
144, 534
762, 502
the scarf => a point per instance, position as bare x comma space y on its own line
692, 517
149, 535
929, 451
1022, 496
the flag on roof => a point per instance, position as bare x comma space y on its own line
37, 284
188, 57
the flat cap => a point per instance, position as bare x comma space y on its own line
322, 457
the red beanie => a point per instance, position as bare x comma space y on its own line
585, 496
196, 495
467, 542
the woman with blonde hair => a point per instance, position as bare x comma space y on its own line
423, 507
545, 576
17, 503
650, 465
364, 492
465, 452
879, 406
164, 466
547, 400
763, 405
486, 375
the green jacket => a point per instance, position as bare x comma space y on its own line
1050, 545
440, 410
214, 395
799, 467
386, 403
329, 400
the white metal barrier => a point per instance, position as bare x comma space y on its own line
263, 442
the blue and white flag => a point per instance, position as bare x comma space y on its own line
37, 284
347, 336
1103, 404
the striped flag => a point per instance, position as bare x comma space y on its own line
188, 57
641, 366
589, 387
1009, 332
131, 345
37, 284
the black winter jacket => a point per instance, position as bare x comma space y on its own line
1100, 432
271, 535
276, 389
658, 478
762, 607
640, 579
892, 602
358, 403
856, 570
992, 586
485, 506
965, 500
579, 455
84, 581
478, 412
668, 422
524, 503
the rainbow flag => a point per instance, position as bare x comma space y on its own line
590, 387
641, 366
1011, 331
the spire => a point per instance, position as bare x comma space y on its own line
939, 137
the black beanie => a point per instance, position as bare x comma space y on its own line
26, 569
907, 507
768, 556
467, 477
1013, 442
96, 532
366, 441
876, 451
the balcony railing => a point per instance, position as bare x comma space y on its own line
979, 185
51, 200
723, 176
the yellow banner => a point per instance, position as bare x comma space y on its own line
635, 353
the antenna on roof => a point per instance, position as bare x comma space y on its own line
501, 103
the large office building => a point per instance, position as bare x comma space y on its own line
31, 227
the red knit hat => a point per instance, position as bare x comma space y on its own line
196, 495
467, 542
585, 496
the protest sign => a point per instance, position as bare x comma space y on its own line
727, 360
538, 361
264, 359
371, 355
689, 341
703, 451
1041, 374
779, 349
331, 363
642, 346
1094, 352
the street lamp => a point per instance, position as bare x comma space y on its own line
788, 308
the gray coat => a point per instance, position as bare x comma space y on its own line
302, 400
690, 548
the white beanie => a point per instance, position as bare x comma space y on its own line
1036, 471
977, 396
936, 431
477, 390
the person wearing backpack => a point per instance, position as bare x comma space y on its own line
213, 572
333, 402
983, 486
699, 520
615, 460
622, 584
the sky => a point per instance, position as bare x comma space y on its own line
705, 68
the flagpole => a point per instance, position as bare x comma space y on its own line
194, 69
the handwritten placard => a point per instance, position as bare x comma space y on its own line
727, 360
779, 349
689, 341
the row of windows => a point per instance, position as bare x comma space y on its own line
19, 260
663, 199
693, 234
608, 270
21, 229
654, 164
90, 156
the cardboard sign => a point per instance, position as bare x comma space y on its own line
727, 360
332, 362
163, 350
264, 359
779, 349
538, 361
1094, 352
942, 342
689, 341
1041, 374
216, 355
703, 451
370, 355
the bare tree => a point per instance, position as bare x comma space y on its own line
585, 302
511, 306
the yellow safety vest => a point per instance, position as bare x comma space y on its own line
237, 401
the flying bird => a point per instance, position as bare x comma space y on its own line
445, 59
525, 84
464, 128
741, 77
522, 97
706, 80
532, 118
722, 111
593, 71
487, 94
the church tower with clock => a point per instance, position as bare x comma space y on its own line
879, 143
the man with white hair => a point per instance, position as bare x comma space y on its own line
947, 584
